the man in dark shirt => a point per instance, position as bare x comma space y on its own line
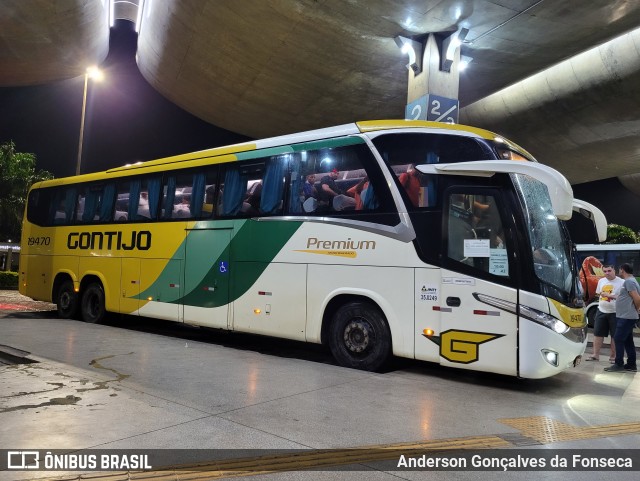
332, 194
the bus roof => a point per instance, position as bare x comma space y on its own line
229, 152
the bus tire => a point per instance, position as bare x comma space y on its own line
67, 300
92, 305
359, 336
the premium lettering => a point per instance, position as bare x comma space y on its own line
110, 240
348, 244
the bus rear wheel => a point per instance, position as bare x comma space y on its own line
67, 300
92, 307
359, 337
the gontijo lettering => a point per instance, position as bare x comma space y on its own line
110, 240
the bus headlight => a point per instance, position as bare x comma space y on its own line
547, 320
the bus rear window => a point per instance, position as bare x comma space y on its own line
38, 206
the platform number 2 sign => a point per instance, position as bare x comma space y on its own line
434, 108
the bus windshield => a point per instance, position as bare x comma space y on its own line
550, 244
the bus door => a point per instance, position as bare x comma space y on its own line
206, 277
478, 273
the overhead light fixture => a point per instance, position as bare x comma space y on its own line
449, 47
464, 62
414, 50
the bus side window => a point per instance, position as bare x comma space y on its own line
205, 192
254, 188
332, 180
182, 199
65, 206
122, 205
272, 184
59, 216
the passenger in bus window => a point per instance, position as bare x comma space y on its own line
183, 208
207, 207
309, 187
330, 192
410, 180
143, 203
251, 204
60, 215
143, 206
357, 192
486, 219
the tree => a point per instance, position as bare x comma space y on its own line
17, 173
619, 234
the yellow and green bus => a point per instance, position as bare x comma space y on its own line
423, 240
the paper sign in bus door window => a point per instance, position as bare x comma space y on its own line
499, 262
476, 248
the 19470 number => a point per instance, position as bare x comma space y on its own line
39, 241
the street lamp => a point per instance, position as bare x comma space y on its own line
96, 74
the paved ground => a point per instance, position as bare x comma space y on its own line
14, 301
144, 384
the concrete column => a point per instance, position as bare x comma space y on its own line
432, 94
432, 80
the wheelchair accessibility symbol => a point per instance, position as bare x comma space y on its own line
224, 267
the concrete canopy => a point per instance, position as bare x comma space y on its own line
263, 68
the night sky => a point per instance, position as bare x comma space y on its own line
126, 121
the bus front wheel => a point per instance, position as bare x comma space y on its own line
67, 300
93, 309
359, 337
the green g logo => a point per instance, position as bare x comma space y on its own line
461, 346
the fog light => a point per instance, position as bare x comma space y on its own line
551, 357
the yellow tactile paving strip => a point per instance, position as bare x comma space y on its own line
545, 430
538, 428
312, 459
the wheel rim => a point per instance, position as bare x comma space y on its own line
93, 305
358, 335
65, 301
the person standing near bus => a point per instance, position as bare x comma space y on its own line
627, 306
605, 321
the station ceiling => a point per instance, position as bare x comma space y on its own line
560, 78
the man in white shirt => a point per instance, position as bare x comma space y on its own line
605, 322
